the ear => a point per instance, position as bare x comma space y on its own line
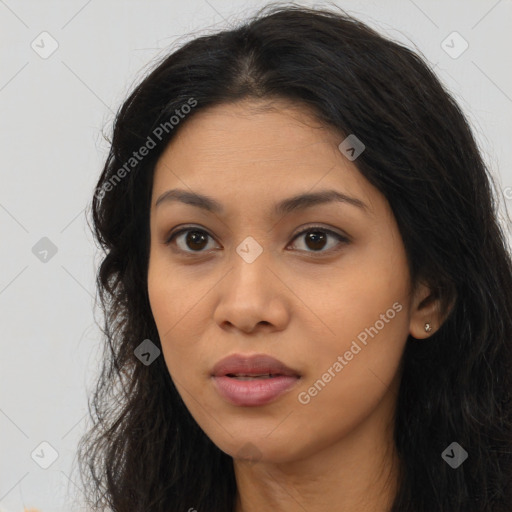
426, 308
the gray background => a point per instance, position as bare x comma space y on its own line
52, 113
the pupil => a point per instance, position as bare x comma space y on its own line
196, 237
317, 238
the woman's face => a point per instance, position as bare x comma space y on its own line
320, 283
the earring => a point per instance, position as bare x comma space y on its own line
428, 328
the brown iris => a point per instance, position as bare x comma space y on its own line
315, 240
196, 240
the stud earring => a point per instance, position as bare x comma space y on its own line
428, 328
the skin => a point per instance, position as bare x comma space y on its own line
302, 304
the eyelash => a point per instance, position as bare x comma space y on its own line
342, 239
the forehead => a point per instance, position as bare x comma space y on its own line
253, 151
249, 131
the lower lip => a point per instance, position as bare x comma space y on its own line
253, 392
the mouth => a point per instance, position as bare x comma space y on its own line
253, 377
252, 366
252, 380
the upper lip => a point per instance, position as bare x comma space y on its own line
258, 364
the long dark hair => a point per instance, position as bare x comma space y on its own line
145, 451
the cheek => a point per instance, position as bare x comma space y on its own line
366, 323
180, 314
366, 294
172, 298
160, 293
375, 291
168, 306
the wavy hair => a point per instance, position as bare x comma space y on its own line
144, 450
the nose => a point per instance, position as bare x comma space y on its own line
252, 297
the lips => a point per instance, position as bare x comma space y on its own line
252, 380
256, 366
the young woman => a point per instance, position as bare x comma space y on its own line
307, 293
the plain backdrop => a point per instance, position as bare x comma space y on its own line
65, 68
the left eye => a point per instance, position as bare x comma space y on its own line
316, 239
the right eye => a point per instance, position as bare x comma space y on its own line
195, 241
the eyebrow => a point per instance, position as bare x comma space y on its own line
286, 206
